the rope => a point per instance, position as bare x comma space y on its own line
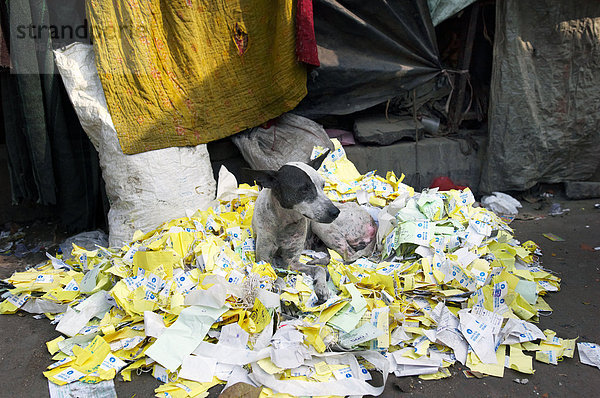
446, 72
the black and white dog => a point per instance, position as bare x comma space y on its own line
291, 198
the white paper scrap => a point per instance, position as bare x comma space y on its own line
58, 263
112, 362
491, 318
76, 318
41, 306
448, 333
354, 367
183, 336
230, 355
234, 336
464, 256
479, 335
238, 375
197, 368
519, 331
351, 386
589, 354
213, 297
269, 299
288, 350
398, 336
223, 371
227, 185
103, 389
154, 325
414, 370
264, 338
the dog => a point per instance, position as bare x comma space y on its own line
352, 234
291, 198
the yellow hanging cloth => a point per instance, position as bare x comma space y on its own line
186, 72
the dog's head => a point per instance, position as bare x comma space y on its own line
298, 186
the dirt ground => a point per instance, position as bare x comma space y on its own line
23, 354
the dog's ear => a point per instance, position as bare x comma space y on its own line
318, 161
264, 178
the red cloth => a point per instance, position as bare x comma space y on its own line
4, 55
306, 43
445, 184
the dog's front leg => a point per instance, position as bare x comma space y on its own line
266, 250
266, 247
319, 276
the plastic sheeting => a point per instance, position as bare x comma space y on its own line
51, 161
369, 52
443, 9
544, 124
290, 139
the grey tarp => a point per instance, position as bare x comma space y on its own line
444, 9
369, 52
545, 96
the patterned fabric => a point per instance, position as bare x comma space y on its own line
306, 43
186, 72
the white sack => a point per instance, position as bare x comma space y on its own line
144, 189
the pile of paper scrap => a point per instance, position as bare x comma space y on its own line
188, 300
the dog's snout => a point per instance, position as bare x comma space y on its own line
333, 212
330, 215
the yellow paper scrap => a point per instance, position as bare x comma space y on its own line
519, 361
53, 345
268, 366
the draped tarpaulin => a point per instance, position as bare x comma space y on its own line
51, 160
369, 51
544, 120
444, 9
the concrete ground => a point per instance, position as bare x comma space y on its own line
23, 355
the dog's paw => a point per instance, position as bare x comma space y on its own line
320, 260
